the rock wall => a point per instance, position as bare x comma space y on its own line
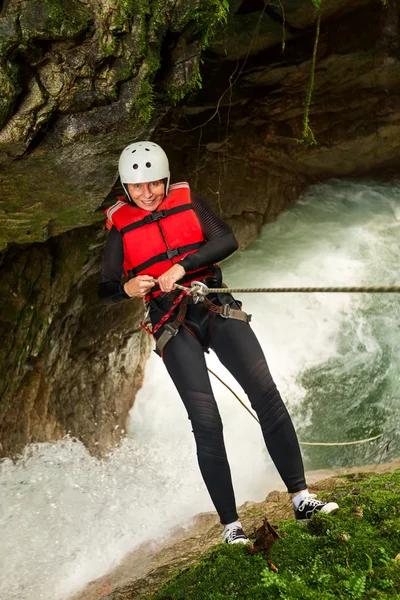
67, 363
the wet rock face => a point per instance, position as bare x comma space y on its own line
67, 363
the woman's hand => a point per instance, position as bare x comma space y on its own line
139, 286
166, 280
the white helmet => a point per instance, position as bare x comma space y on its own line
142, 162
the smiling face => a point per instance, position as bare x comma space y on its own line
147, 195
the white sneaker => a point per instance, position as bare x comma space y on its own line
311, 505
235, 535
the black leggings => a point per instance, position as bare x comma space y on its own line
239, 351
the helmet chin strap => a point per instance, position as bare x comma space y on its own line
165, 187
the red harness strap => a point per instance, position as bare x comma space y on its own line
177, 301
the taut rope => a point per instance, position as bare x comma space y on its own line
301, 443
204, 290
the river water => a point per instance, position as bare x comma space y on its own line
67, 518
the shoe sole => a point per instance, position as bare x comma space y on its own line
239, 542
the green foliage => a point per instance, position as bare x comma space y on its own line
355, 586
176, 93
144, 105
148, 23
210, 14
202, 23
308, 138
345, 556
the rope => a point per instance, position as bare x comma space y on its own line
236, 396
382, 289
341, 443
301, 443
201, 289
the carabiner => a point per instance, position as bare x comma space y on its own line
146, 312
198, 291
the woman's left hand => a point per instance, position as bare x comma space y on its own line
166, 280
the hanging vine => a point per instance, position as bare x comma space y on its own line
308, 138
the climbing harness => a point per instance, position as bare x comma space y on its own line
189, 295
163, 319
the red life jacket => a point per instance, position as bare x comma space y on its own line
154, 241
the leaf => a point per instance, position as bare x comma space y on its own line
265, 538
317, 3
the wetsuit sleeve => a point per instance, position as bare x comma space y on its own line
220, 243
110, 288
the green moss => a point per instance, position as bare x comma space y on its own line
126, 11
204, 18
217, 577
210, 14
127, 16
144, 104
177, 92
348, 555
63, 16
199, 24
67, 18
109, 44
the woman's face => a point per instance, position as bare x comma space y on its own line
147, 195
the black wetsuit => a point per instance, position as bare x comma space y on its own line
239, 351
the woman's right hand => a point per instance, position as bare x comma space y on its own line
139, 286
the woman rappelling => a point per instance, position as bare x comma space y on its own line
168, 233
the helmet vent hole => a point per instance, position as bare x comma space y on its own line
148, 165
133, 151
135, 166
147, 149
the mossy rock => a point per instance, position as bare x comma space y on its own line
54, 19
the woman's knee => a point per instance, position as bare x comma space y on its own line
259, 379
205, 418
